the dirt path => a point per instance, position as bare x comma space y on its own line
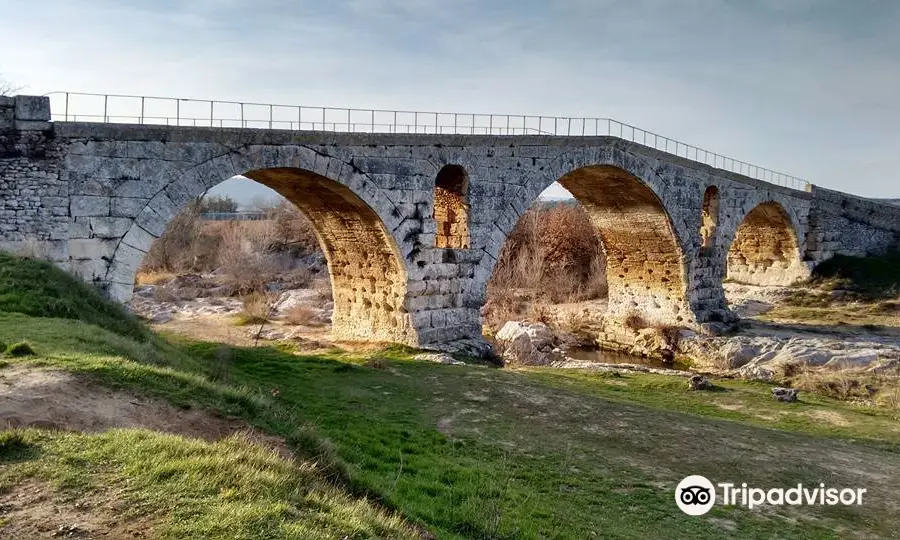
59, 400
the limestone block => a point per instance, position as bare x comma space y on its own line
109, 227
138, 238
89, 205
127, 206
80, 248
7, 118
89, 270
33, 125
33, 108
79, 227
125, 265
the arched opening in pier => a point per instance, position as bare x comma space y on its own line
451, 208
640, 255
321, 255
710, 217
765, 249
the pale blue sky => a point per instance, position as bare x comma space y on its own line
809, 87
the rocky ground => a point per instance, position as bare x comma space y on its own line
763, 348
196, 307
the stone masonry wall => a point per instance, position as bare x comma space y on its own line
843, 224
34, 203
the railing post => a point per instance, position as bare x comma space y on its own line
142, 110
105, 110
67, 106
211, 113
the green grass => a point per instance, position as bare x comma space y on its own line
39, 289
227, 489
463, 451
874, 277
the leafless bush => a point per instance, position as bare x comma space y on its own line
634, 322
257, 308
554, 254
249, 254
178, 249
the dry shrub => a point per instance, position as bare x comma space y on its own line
257, 308
292, 231
835, 384
153, 277
377, 363
174, 250
634, 322
303, 316
323, 289
249, 254
555, 254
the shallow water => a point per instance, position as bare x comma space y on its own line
609, 357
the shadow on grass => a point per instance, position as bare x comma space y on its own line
15, 448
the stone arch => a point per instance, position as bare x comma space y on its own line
451, 208
646, 273
710, 217
765, 249
351, 218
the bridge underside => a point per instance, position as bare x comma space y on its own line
367, 278
645, 268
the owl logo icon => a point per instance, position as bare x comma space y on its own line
695, 495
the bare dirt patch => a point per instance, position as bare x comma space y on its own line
33, 509
832, 417
54, 399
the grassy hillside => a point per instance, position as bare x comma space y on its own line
389, 447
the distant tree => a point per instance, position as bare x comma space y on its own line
219, 203
6, 87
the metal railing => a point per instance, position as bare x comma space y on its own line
147, 110
236, 216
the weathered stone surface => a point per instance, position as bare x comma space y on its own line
92, 249
410, 255
89, 205
33, 108
525, 344
785, 394
699, 382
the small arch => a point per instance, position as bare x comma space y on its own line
765, 250
451, 208
710, 217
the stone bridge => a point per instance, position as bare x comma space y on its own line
412, 224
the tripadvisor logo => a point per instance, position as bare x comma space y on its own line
696, 495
